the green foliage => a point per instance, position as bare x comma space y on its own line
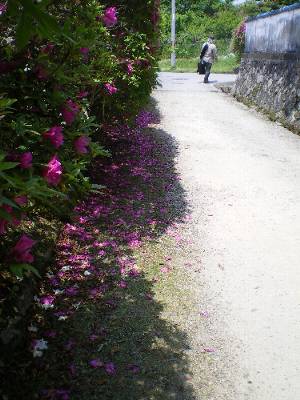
196, 20
252, 7
53, 54
224, 64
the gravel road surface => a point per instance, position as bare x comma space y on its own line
241, 174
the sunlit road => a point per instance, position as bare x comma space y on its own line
241, 173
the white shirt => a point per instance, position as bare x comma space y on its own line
211, 53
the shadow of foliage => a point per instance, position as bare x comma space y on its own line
108, 312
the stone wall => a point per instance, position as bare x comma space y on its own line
272, 83
269, 76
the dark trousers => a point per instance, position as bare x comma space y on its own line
207, 67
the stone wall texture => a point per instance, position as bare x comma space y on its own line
272, 83
269, 76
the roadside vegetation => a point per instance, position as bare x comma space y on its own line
225, 64
197, 20
74, 78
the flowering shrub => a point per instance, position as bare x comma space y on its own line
238, 40
67, 71
71, 73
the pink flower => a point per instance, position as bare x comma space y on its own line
204, 314
85, 53
21, 251
110, 88
110, 17
71, 291
96, 363
110, 368
123, 284
55, 136
208, 350
47, 48
26, 160
81, 95
47, 300
84, 50
3, 225
69, 112
135, 369
93, 337
81, 144
3, 8
53, 171
129, 69
21, 200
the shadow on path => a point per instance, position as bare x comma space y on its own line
107, 312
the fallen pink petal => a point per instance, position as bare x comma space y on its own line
110, 368
96, 363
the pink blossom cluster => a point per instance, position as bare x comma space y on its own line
240, 31
3, 8
110, 88
25, 160
55, 136
145, 118
21, 252
70, 111
52, 172
81, 144
110, 18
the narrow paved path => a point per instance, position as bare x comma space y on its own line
241, 174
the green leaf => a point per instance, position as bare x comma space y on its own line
13, 7
6, 103
5, 215
5, 200
24, 30
20, 269
4, 166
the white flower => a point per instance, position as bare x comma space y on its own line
62, 318
58, 292
37, 353
41, 344
46, 306
9, 40
38, 347
87, 273
66, 268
